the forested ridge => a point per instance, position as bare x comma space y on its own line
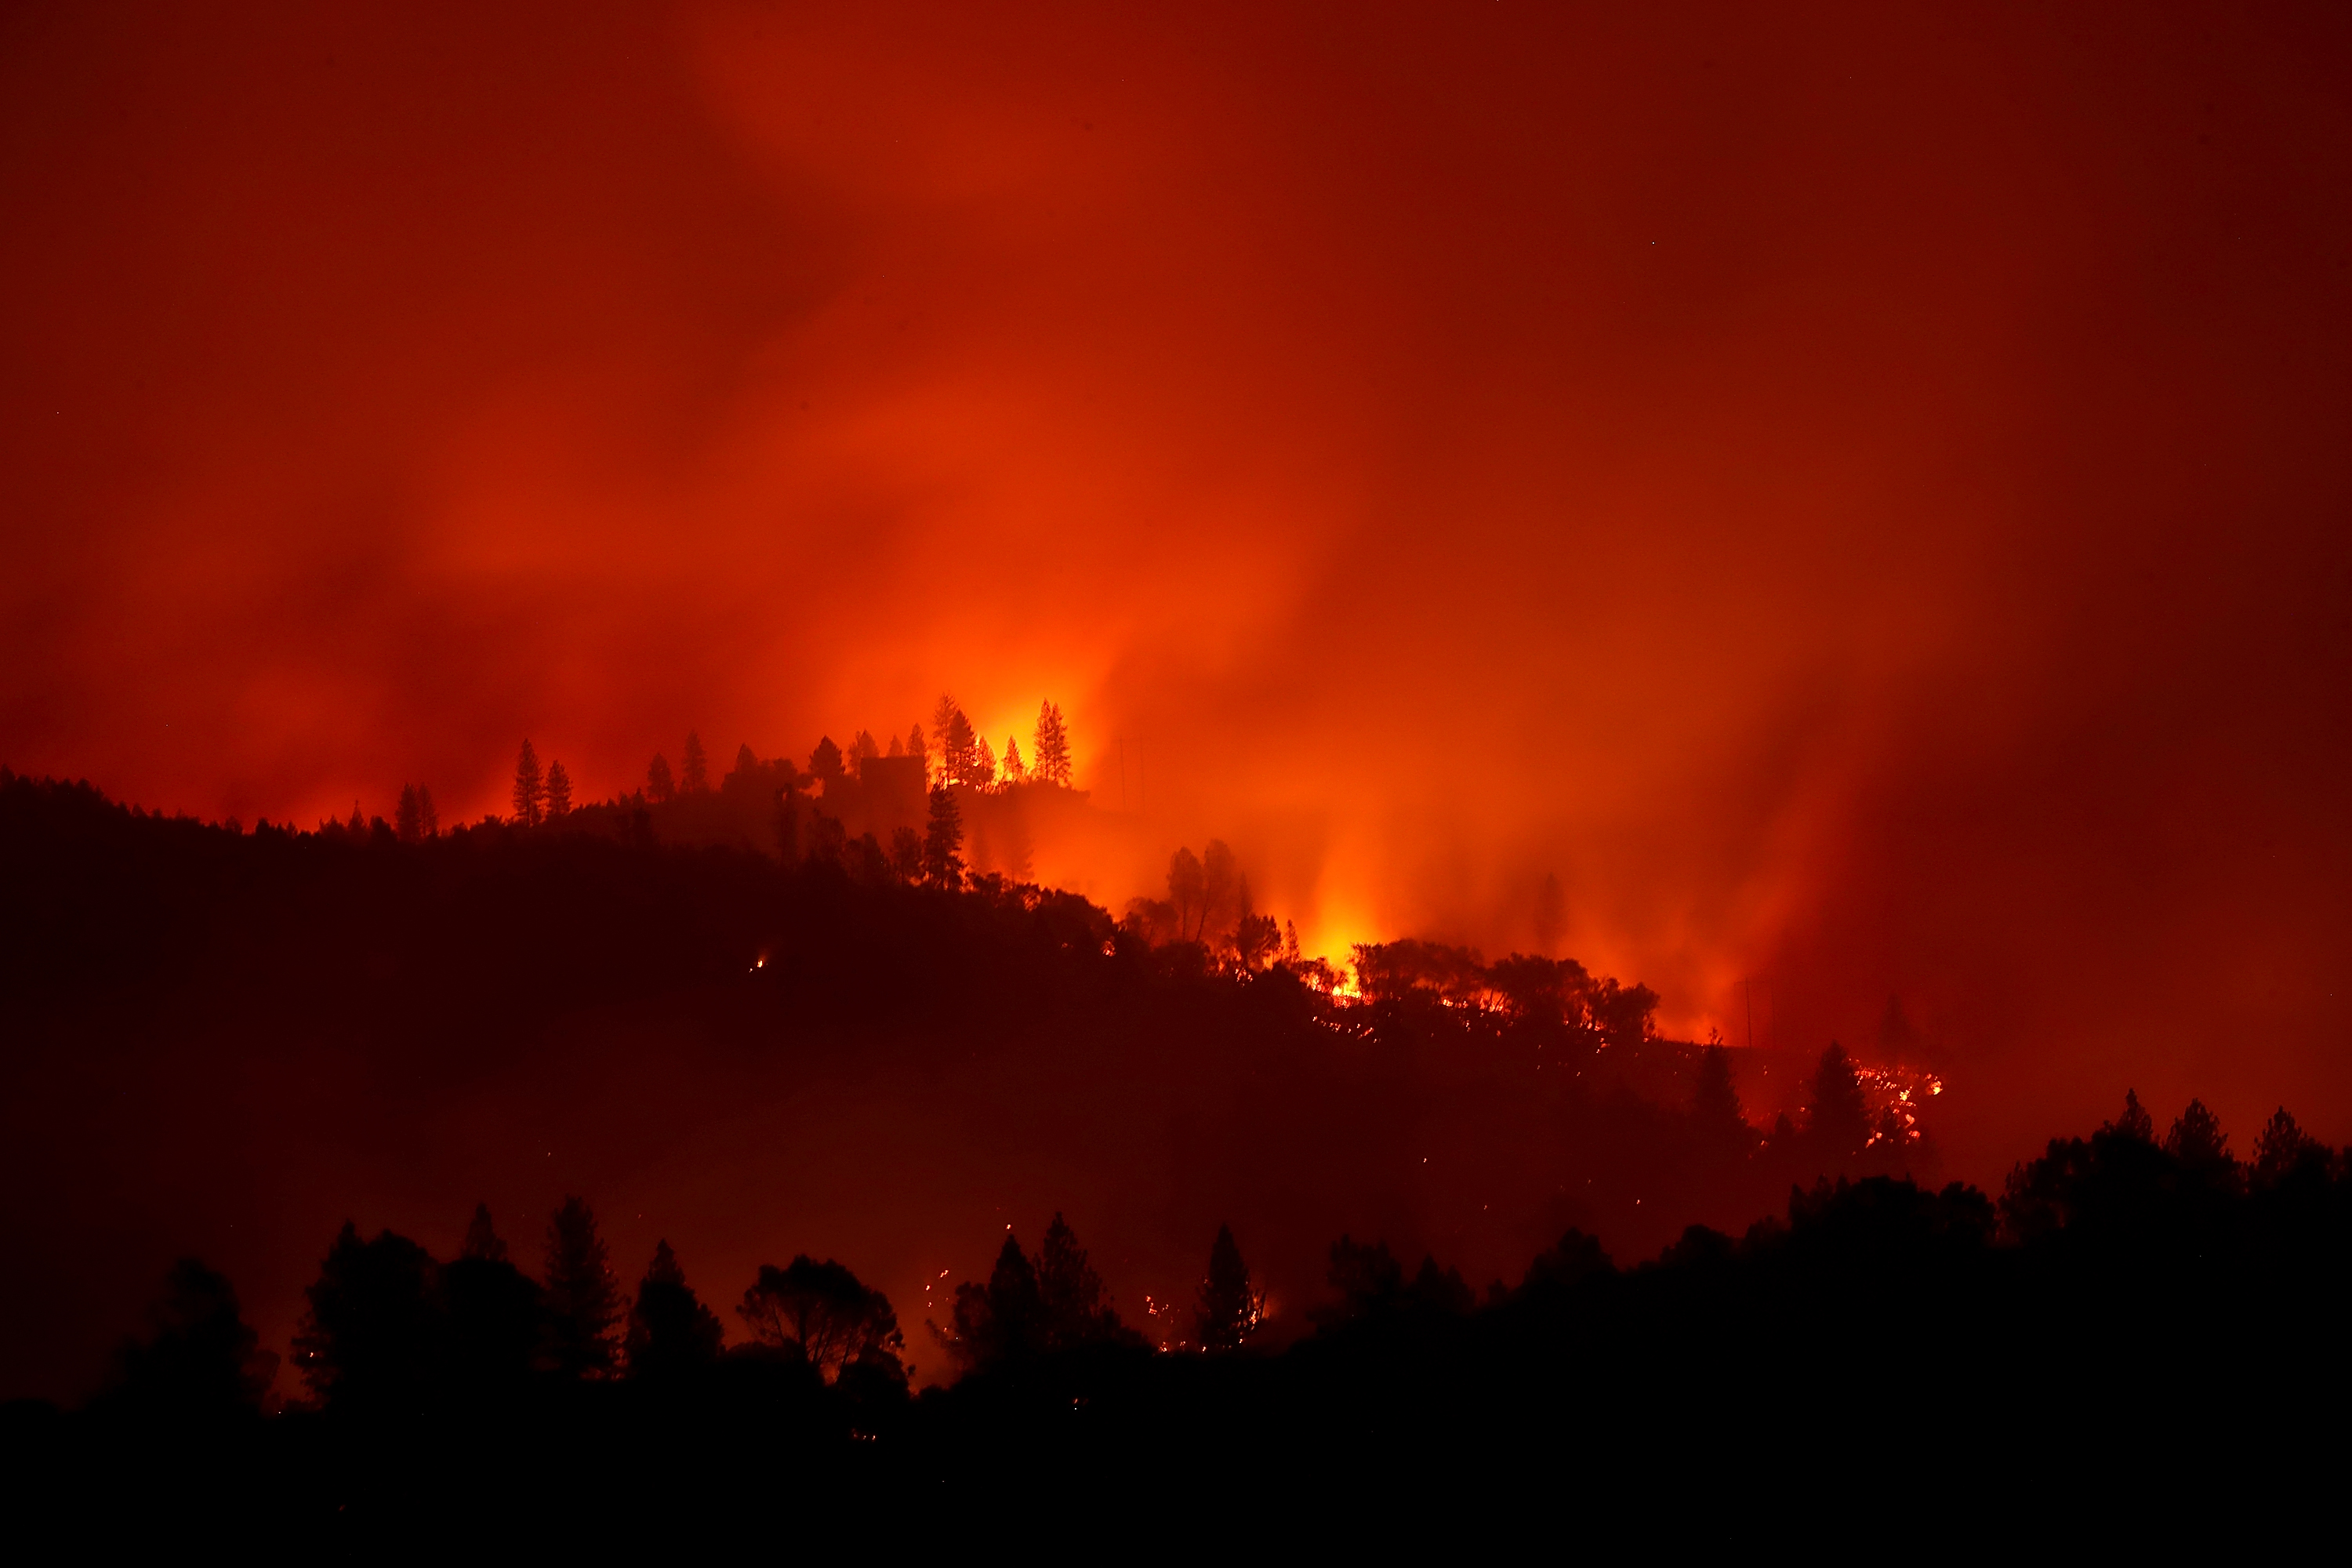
2137, 1311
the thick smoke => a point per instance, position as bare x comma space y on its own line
1857, 499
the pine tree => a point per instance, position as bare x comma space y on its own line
943, 717
1014, 770
1840, 1123
482, 1241
428, 821
907, 854
1229, 1309
824, 762
357, 827
2197, 1139
2283, 1148
406, 822
943, 841
1070, 1292
862, 746
529, 789
917, 750
983, 764
671, 1332
583, 1298
659, 786
559, 791
1051, 762
899, 747
2134, 1122
1714, 1101
695, 777
956, 750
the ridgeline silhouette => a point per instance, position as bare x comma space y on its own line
2164, 1311
2177, 1311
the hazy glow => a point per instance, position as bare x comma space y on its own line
1857, 497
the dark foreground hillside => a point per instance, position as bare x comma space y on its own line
312, 1068
2137, 1343
226, 1044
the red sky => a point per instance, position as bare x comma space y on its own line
1858, 492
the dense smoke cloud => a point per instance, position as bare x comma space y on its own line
1859, 497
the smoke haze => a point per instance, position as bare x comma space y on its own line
1859, 498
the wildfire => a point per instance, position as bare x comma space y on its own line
1896, 1093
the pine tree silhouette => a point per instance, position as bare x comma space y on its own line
530, 788
408, 821
559, 791
983, 764
1014, 769
1052, 761
671, 1332
943, 841
1228, 1311
482, 1241
428, 821
584, 1300
659, 786
1715, 1102
1839, 1120
695, 776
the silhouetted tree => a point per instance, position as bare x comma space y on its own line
953, 731
897, 747
824, 1310
357, 826
694, 777
983, 762
1185, 889
408, 818
917, 750
862, 746
1714, 1101
482, 1240
1257, 940
1839, 1120
907, 854
824, 762
370, 1339
1229, 1309
2134, 1122
2198, 1142
1071, 1305
671, 1333
584, 1299
951, 748
943, 841
493, 1314
559, 791
1003, 1321
2284, 1148
428, 821
199, 1362
659, 786
1051, 762
1014, 769
529, 789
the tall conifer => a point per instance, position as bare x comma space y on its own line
530, 788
